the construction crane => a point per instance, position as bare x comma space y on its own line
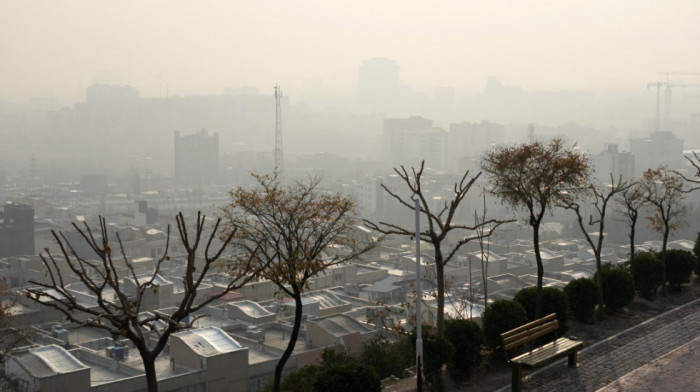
668, 96
279, 162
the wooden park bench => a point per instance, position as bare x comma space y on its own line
528, 334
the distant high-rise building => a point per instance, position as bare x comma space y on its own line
108, 92
17, 230
612, 161
378, 85
408, 141
196, 158
472, 139
661, 148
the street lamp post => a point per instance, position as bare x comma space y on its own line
419, 334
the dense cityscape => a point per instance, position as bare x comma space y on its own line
183, 240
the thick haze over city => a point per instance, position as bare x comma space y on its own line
541, 139
58, 48
102, 86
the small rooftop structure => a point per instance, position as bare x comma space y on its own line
48, 368
208, 341
329, 303
250, 312
327, 331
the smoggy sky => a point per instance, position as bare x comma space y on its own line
57, 48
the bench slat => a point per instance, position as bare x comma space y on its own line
529, 335
524, 327
551, 350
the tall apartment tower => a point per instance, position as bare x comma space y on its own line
17, 230
408, 141
196, 158
660, 148
612, 161
473, 139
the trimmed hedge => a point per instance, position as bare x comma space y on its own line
648, 274
468, 339
618, 287
553, 301
348, 377
679, 266
499, 317
583, 298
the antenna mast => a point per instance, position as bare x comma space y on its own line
279, 162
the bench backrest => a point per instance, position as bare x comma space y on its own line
529, 332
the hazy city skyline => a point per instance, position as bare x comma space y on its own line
313, 47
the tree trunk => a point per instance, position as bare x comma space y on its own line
540, 268
440, 272
599, 265
276, 386
667, 230
601, 297
632, 229
150, 368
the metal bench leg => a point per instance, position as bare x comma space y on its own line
517, 378
573, 358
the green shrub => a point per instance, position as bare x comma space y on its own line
679, 266
499, 317
437, 350
553, 301
300, 381
468, 339
348, 377
583, 298
385, 357
648, 274
618, 288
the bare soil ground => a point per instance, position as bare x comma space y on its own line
494, 373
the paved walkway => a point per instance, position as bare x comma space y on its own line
661, 354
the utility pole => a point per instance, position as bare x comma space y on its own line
279, 162
419, 316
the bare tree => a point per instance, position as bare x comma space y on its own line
10, 336
114, 310
485, 248
663, 190
695, 180
601, 198
295, 232
632, 202
536, 176
440, 224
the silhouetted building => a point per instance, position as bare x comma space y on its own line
408, 141
108, 92
612, 161
196, 158
143, 214
17, 230
472, 139
661, 148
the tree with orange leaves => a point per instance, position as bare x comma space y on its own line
293, 232
536, 177
663, 191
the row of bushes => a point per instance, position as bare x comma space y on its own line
648, 274
461, 349
380, 358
